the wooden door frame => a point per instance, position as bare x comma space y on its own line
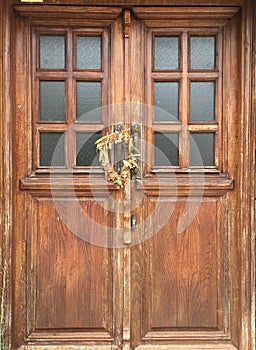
246, 181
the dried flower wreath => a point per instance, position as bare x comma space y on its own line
104, 146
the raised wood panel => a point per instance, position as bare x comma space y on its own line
184, 276
181, 274
71, 279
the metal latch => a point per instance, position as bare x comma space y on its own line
133, 222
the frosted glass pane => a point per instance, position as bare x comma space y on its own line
202, 52
202, 149
88, 98
166, 149
52, 143
52, 52
202, 105
88, 52
166, 97
52, 100
86, 154
166, 53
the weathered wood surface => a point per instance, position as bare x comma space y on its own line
202, 277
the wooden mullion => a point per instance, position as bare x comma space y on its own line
167, 128
70, 141
219, 146
149, 98
69, 83
201, 127
51, 126
35, 52
51, 75
70, 148
35, 105
86, 127
105, 75
184, 103
203, 76
166, 75
35, 99
88, 75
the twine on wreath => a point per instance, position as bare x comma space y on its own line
104, 146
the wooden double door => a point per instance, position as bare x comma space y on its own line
160, 265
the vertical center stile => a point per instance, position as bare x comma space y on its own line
127, 199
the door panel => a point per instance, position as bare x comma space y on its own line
181, 274
174, 285
183, 271
63, 267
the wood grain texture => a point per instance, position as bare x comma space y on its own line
204, 276
127, 3
190, 346
1, 126
178, 278
6, 211
247, 178
174, 13
72, 12
72, 278
184, 270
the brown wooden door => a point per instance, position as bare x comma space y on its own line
83, 276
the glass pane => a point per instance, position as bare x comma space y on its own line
166, 53
202, 105
88, 98
202, 149
86, 154
52, 52
88, 52
52, 100
52, 149
166, 98
166, 149
202, 52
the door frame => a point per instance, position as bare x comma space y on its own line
246, 182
